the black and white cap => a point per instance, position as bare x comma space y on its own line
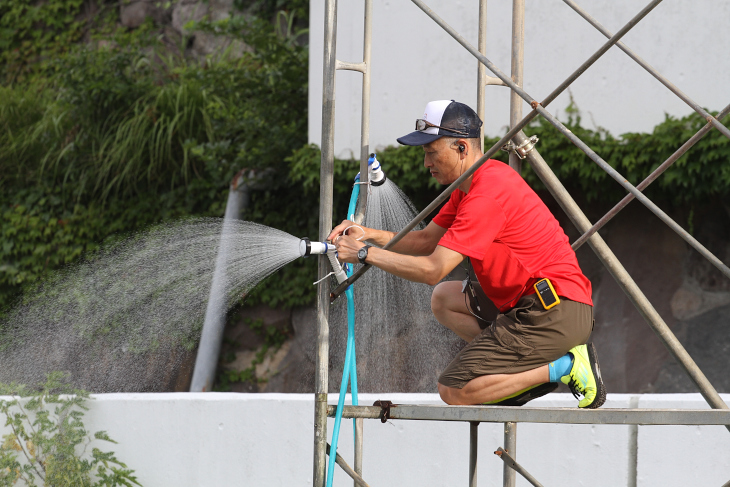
454, 119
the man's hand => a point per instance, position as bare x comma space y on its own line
347, 248
358, 231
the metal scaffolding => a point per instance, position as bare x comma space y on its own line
522, 148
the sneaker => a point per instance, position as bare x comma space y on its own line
525, 395
585, 377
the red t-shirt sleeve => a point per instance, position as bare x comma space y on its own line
477, 224
447, 213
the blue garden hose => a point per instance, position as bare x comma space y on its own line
349, 371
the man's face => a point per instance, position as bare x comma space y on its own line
442, 160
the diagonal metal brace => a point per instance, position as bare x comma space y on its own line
347, 469
510, 462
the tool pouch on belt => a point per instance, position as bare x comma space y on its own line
477, 300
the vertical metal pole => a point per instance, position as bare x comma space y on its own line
482, 69
365, 115
473, 450
325, 225
509, 476
364, 176
518, 54
358, 447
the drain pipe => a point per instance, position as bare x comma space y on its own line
206, 361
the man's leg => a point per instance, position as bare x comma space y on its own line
489, 388
449, 307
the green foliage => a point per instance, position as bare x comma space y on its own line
117, 142
700, 176
47, 442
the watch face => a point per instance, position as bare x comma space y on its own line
362, 254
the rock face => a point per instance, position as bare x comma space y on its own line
173, 17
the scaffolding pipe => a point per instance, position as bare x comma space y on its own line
358, 480
651, 70
649, 179
509, 463
365, 117
473, 452
510, 445
325, 225
482, 70
510, 134
517, 64
624, 280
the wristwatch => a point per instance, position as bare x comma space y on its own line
362, 254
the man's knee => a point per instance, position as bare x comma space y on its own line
440, 298
449, 395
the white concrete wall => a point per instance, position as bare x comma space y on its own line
228, 439
415, 61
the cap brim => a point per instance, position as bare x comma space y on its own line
418, 138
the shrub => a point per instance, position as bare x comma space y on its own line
47, 440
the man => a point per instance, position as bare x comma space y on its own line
514, 244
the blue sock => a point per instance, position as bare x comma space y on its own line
560, 367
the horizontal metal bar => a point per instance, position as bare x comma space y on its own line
494, 81
510, 462
637, 194
344, 66
503, 414
649, 179
663, 80
347, 469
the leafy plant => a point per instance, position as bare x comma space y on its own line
47, 443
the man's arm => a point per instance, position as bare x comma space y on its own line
419, 242
429, 269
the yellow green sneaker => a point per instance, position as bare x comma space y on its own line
520, 398
585, 377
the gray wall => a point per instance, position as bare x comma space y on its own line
415, 61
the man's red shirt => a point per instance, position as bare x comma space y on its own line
511, 237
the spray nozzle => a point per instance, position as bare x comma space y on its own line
377, 176
307, 247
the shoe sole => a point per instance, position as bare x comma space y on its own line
528, 396
596, 369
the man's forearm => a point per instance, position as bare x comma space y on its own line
412, 267
413, 243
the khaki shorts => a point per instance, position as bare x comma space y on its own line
524, 338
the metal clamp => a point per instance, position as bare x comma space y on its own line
384, 410
523, 149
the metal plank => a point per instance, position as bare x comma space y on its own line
502, 414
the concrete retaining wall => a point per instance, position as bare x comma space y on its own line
224, 439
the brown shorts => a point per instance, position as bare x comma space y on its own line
524, 338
